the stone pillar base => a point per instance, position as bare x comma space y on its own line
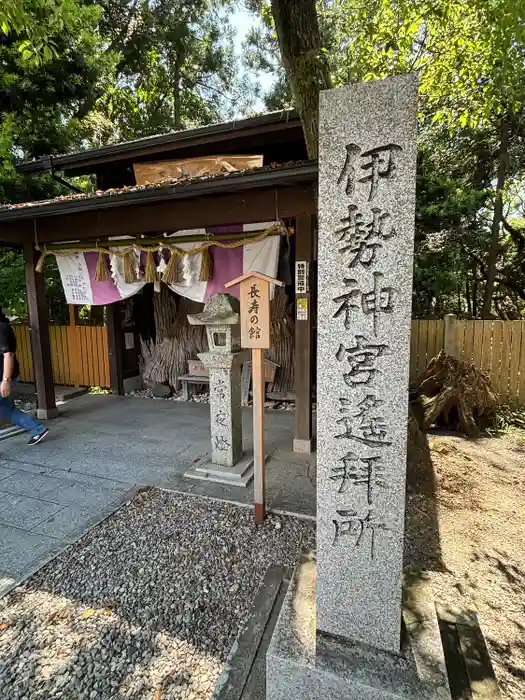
310, 666
241, 474
46, 413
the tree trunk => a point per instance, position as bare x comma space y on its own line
460, 301
474, 290
497, 218
177, 117
306, 67
467, 297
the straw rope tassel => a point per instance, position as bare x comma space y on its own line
130, 261
40, 264
101, 271
171, 271
206, 266
150, 274
151, 269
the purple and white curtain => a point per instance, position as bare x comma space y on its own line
77, 270
228, 263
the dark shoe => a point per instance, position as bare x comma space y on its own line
38, 438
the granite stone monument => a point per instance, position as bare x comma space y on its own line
350, 642
367, 185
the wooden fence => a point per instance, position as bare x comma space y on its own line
79, 354
497, 347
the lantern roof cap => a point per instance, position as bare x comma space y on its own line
219, 310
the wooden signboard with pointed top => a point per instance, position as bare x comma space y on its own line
254, 298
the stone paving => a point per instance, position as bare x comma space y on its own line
42, 511
100, 449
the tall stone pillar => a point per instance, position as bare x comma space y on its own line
225, 406
367, 188
345, 641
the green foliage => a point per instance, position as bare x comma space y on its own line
40, 23
470, 59
261, 53
177, 68
12, 286
45, 95
469, 54
508, 416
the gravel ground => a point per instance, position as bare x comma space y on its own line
25, 403
145, 606
205, 398
148, 394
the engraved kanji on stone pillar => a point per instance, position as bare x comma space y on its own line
367, 164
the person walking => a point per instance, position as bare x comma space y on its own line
10, 371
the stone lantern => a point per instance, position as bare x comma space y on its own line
223, 360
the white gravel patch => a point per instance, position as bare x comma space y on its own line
145, 606
205, 398
148, 394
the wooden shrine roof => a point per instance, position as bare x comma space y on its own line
281, 126
259, 194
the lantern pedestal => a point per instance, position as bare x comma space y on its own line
225, 406
227, 464
224, 361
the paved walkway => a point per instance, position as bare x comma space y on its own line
100, 449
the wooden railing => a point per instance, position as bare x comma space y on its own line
79, 354
497, 347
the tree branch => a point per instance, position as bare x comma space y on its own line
517, 236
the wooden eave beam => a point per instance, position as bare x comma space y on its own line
151, 218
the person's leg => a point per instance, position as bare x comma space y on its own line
5, 409
18, 417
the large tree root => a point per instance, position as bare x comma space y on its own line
458, 395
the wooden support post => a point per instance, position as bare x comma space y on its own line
451, 338
74, 346
39, 326
254, 296
258, 432
304, 350
116, 347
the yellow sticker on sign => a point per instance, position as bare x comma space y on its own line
301, 309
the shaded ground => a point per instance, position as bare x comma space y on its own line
100, 448
154, 443
476, 554
146, 605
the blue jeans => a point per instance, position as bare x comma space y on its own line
18, 417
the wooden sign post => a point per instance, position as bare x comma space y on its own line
255, 334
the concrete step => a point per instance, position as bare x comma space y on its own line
10, 431
244, 674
